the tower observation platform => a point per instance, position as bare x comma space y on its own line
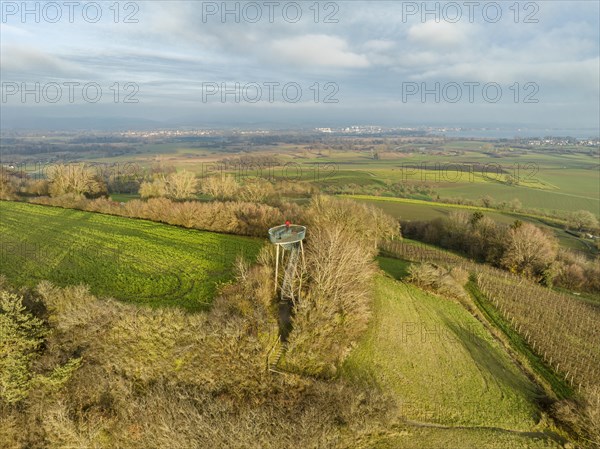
287, 235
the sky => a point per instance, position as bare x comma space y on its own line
297, 64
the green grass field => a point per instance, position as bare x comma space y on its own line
447, 373
128, 259
410, 209
548, 180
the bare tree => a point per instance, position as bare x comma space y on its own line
75, 178
222, 187
177, 186
181, 185
529, 251
256, 191
9, 184
156, 188
583, 219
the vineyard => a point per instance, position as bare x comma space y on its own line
560, 329
128, 259
420, 252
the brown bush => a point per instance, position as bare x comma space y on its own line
221, 187
77, 179
582, 415
522, 248
158, 378
366, 223
9, 185
241, 218
175, 185
156, 188
37, 187
440, 280
256, 191
571, 276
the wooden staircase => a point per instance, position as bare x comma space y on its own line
275, 356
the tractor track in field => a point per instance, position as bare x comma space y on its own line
530, 434
428, 425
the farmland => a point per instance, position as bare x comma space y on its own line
550, 179
133, 260
571, 347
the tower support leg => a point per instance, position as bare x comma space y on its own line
302, 252
276, 268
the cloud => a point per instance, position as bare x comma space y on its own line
368, 53
14, 31
24, 59
433, 34
319, 50
379, 45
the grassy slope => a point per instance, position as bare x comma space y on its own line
129, 259
444, 368
554, 383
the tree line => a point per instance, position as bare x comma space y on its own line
521, 248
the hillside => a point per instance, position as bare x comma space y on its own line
133, 260
453, 382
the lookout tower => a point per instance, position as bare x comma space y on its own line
288, 238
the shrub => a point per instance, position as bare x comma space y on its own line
160, 378
256, 191
241, 218
437, 279
221, 187
366, 223
176, 185
37, 187
153, 189
583, 220
335, 309
181, 185
521, 248
9, 185
21, 335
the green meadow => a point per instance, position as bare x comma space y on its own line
128, 259
454, 383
